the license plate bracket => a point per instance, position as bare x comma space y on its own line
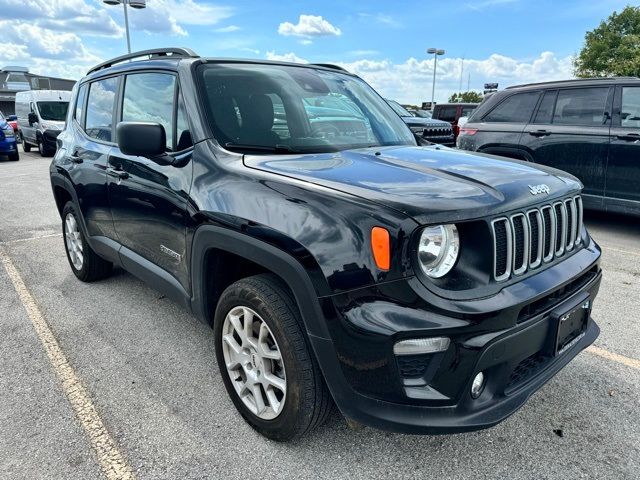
571, 323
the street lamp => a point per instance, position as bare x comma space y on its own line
435, 52
138, 4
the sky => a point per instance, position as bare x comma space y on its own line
385, 42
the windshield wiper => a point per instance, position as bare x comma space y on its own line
260, 148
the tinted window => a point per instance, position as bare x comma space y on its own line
148, 97
183, 137
99, 115
581, 106
515, 109
448, 114
545, 110
82, 93
630, 113
466, 111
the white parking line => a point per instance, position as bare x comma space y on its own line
18, 240
112, 461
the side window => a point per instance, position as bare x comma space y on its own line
581, 106
148, 97
183, 135
466, 111
630, 113
99, 114
515, 109
79, 110
545, 110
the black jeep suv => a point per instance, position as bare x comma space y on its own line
421, 289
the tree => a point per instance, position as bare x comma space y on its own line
466, 97
613, 48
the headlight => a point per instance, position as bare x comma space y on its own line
438, 250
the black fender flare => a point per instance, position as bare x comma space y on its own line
509, 152
209, 237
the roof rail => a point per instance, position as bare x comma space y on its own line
329, 65
552, 82
155, 52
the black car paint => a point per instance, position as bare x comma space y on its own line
603, 157
307, 219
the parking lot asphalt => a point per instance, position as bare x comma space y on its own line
149, 370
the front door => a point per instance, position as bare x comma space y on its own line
149, 201
623, 173
570, 131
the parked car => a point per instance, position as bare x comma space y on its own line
451, 112
41, 115
421, 289
13, 121
589, 128
434, 131
8, 146
423, 113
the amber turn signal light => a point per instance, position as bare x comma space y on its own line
381, 247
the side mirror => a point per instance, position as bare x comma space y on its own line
144, 139
33, 118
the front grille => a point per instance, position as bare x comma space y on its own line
525, 240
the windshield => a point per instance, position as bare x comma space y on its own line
288, 109
399, 109
53, 111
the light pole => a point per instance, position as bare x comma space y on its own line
138, 4
435, 52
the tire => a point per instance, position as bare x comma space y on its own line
26, 146
306, 402
41, 147
90, 267
14, 157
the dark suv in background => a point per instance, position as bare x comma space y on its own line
423, 289
589, 128
434, 131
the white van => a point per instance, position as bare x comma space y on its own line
41, 116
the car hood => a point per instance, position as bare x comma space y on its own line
425, 122
426, 183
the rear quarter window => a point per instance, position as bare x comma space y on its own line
581, 106
517, 108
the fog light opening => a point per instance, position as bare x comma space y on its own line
478, 385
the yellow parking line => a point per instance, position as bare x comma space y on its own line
601, 352
112, 461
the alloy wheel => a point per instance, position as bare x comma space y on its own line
254, 363
73, 241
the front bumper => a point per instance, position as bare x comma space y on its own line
513, 346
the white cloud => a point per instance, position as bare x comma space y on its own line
169, 16
228, 29
286, 57
309, 26
77, 16
411, 80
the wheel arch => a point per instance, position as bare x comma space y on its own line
219, 252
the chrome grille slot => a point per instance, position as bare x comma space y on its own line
523, 241
520, 243
536, 232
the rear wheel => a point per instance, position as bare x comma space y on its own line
265, 360
84, 262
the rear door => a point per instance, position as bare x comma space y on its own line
570, 131
623, 171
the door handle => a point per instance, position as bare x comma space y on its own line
539, 133
117, 172
630, 137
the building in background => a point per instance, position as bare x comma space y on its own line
16, 79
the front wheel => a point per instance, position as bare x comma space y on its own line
14, 157
84, 262
26, 146
265, 360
